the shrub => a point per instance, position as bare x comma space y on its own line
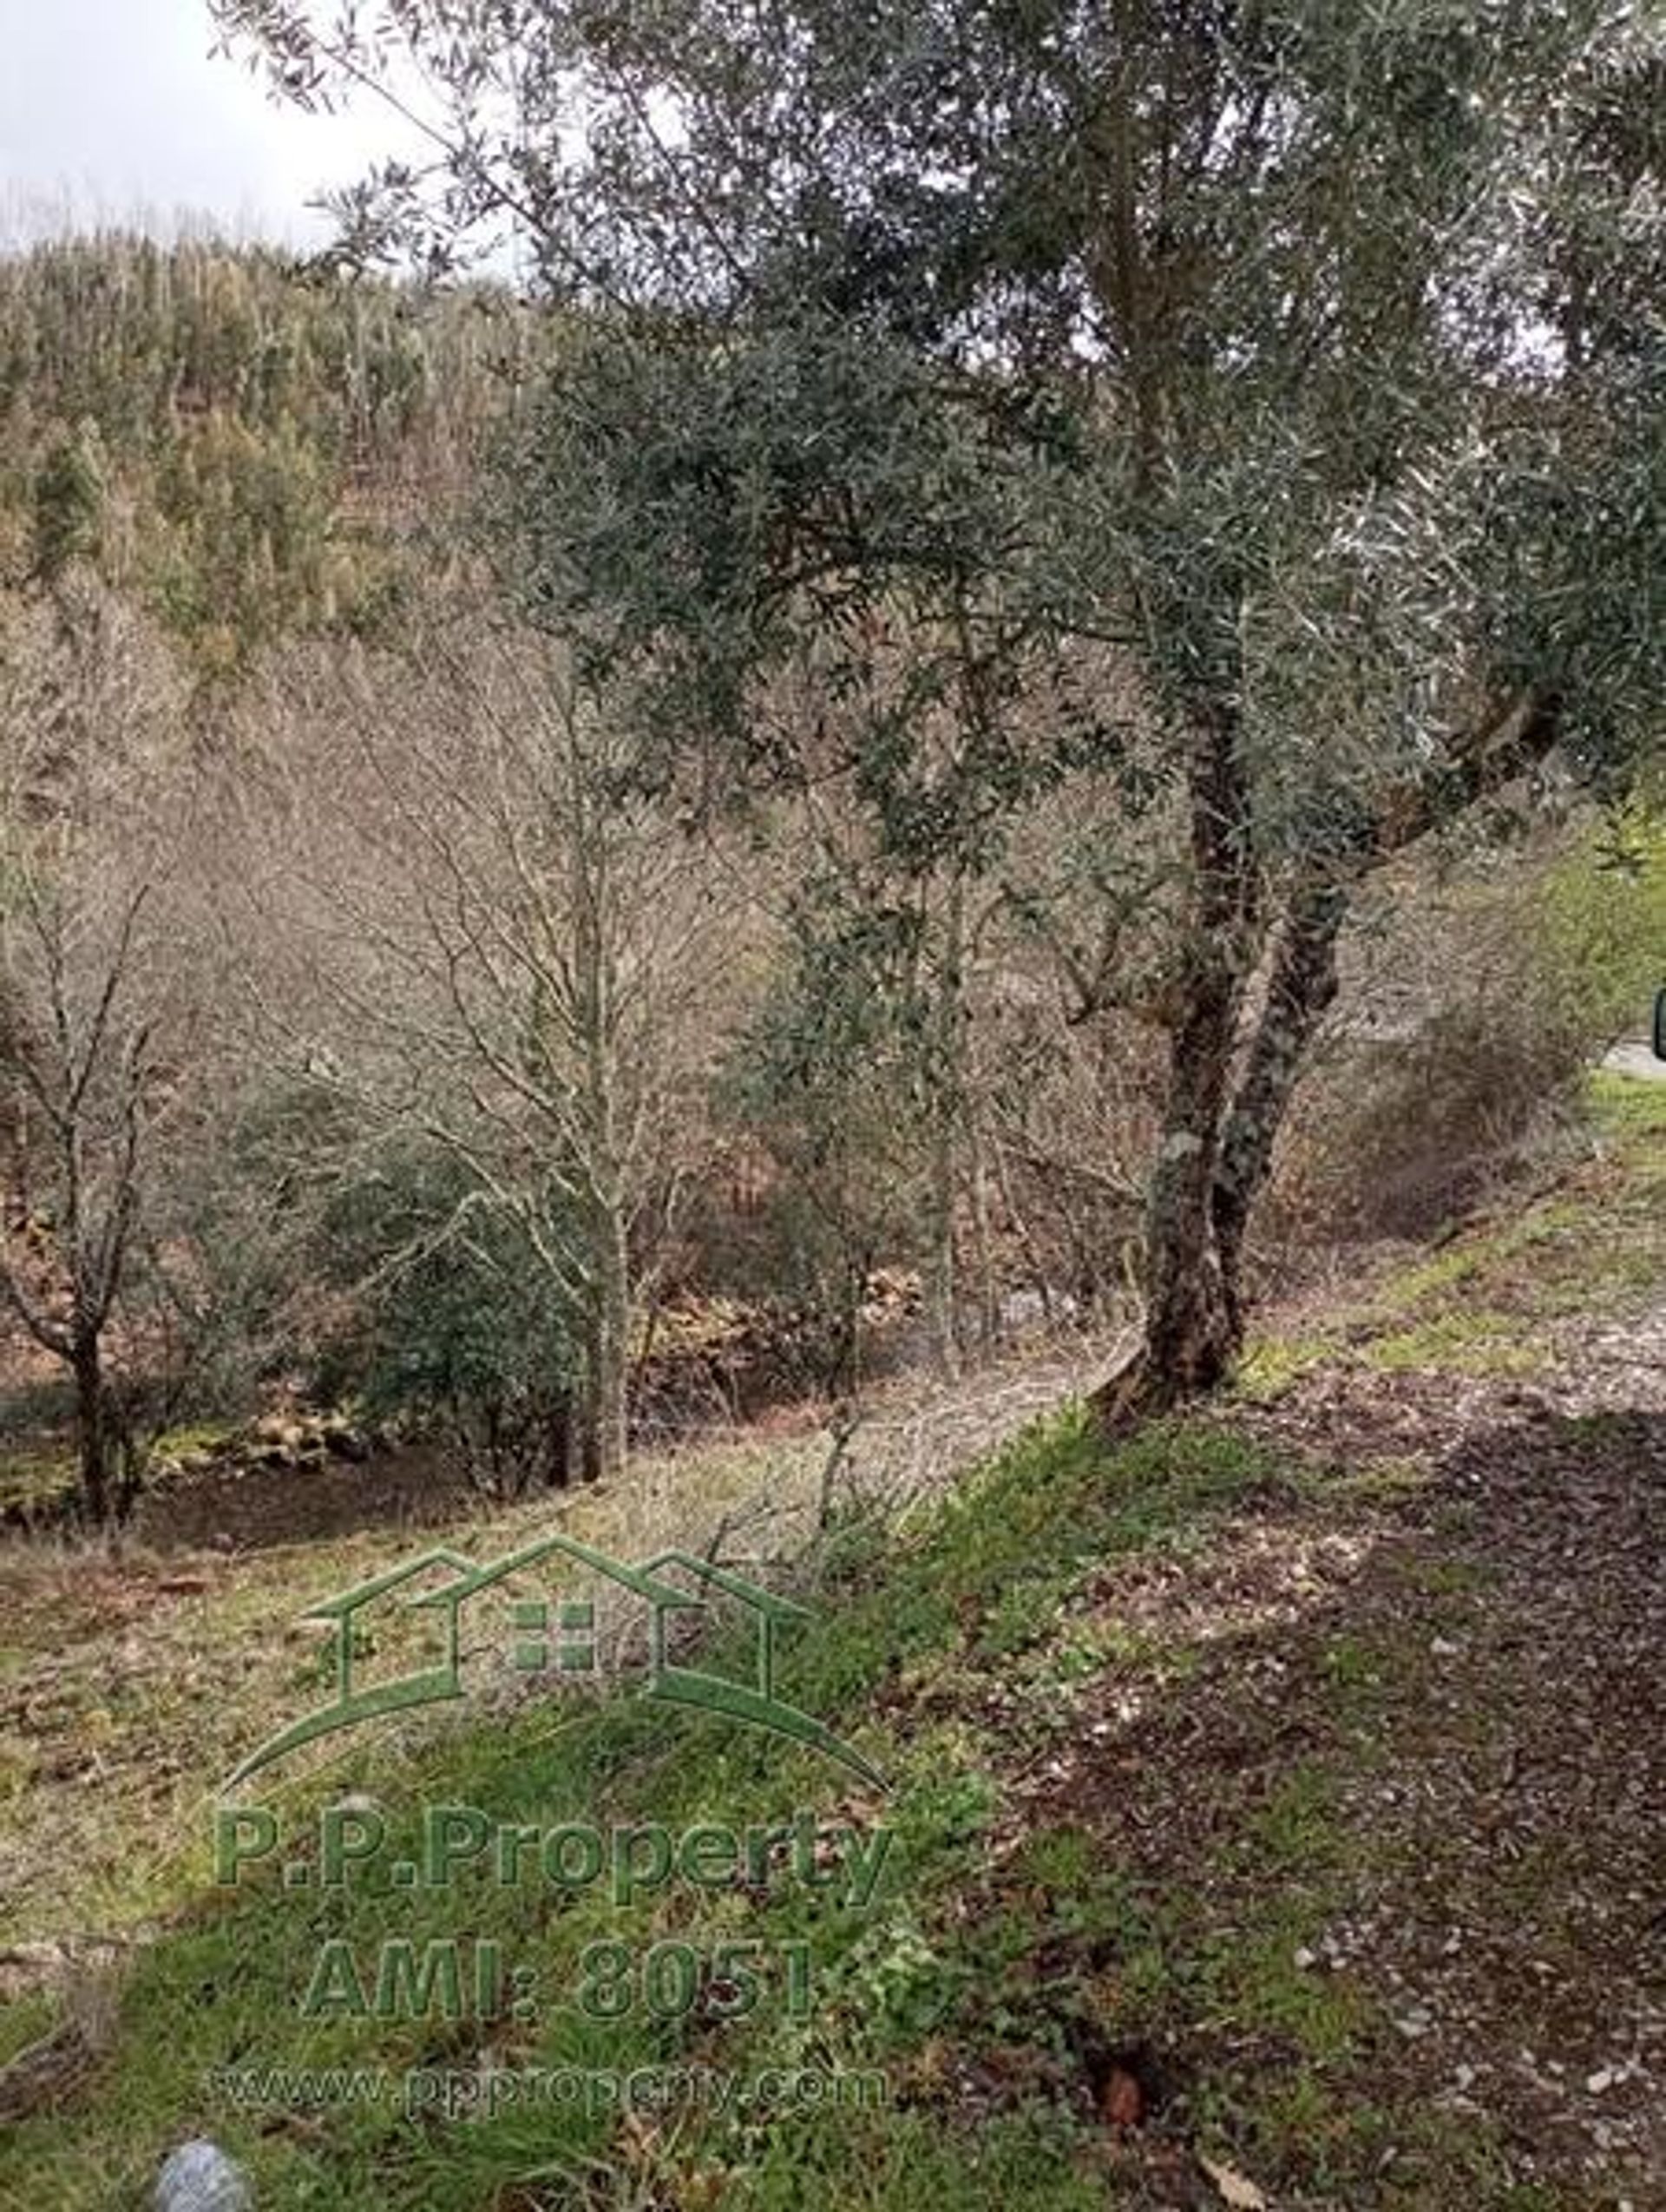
1501, 999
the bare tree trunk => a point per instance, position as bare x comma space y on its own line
608, 1354
1191, 1333
92, 1431
1217, 1144
948, 1114
983, 1241
941, 1270
1217, 1152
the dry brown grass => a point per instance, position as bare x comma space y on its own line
131, 1681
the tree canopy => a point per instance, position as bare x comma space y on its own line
1298, 363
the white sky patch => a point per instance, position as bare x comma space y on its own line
119, 112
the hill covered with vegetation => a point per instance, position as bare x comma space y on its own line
276, 655
240, 442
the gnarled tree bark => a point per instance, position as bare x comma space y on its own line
1219, 1134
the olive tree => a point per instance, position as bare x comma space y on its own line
1302, 358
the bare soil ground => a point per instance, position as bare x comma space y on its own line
1401, 1727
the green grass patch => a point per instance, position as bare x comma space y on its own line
1589, 1246
982, 1581
32, 1480
1460, 1343
1271, 1364
909, 2161
1628, 1109
206, 1436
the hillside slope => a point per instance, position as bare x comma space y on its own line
242, 445
1268, 1824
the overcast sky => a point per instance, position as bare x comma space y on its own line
118, 109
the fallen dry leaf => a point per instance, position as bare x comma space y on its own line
1122, 2100
1231, 2187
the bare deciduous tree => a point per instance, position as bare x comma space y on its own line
500, 947
95, 1013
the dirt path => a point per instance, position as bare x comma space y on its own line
1635, 1058
1412, 1761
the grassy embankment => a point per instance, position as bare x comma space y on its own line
1013, 1970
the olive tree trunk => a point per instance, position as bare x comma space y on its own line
1229, 1093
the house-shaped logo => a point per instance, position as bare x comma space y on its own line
674, 1590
